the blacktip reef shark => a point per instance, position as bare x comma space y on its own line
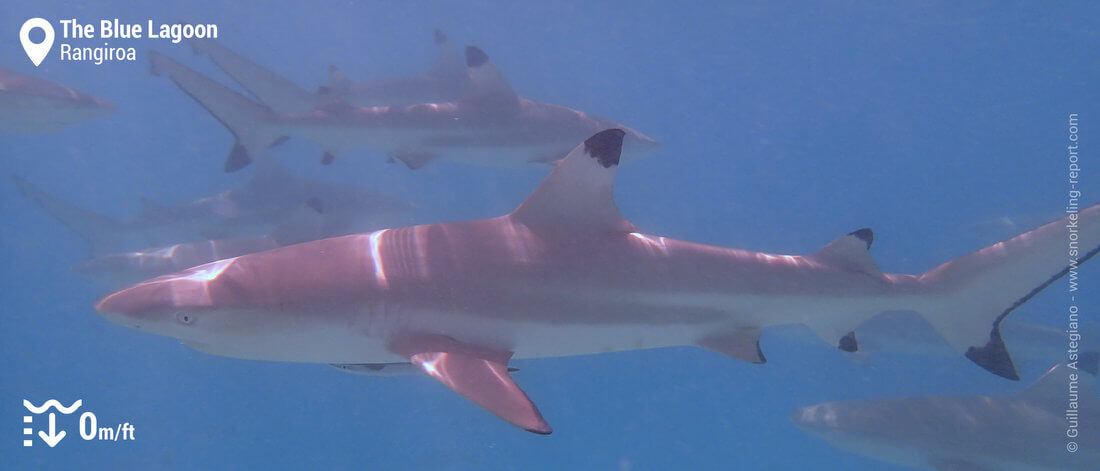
490, 125
271, 203
31, 105
445, 81
567, 274
1022, 432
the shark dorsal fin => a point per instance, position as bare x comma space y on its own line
1055, 384
850, 252
337, 81
487, 85
448, 64
577, 194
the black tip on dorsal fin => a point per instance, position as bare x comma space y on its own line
865, 235
848, 343
994, 356
238, 158
439, 37
606, 146
475, 57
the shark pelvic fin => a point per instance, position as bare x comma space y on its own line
577, 194
741, 344
477, 373
488, 87
850, 252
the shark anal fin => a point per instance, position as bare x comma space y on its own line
477, 373
238, 158
741, 344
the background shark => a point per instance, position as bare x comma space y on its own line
566, 274
271, 203
1021, 432
489, 125
446, 81
29, 105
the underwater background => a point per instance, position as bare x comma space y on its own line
941, 125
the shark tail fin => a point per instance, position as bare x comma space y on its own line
250, 122
977, 291
270, 88
102, 233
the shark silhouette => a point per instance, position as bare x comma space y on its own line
273, 203
489, 125
30, 105
1025, 431
445, 81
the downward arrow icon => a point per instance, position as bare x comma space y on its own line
54, 437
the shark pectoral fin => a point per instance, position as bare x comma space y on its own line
741, 344
477, 373
414, 159
850, 252
576, 197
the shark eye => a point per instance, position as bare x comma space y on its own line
185, 318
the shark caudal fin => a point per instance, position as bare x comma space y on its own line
270, 88
103, 234
979, 290
250, 122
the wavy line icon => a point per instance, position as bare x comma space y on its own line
52, 403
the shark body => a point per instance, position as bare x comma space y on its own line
566, 274
489, 125
445, 81
1022, 432
273, 203
30, 105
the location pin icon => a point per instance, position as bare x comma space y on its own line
36, 51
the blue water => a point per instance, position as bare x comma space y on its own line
783, 126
